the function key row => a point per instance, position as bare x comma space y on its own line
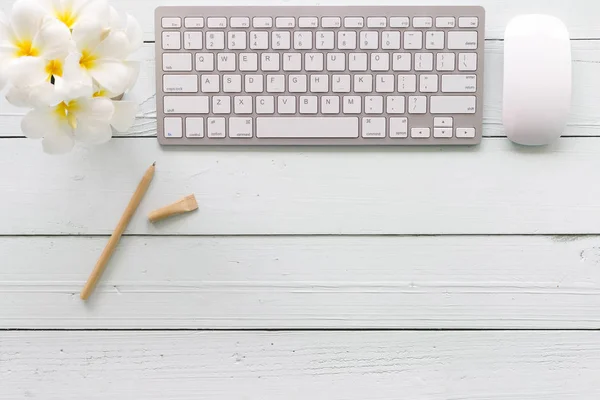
313, 22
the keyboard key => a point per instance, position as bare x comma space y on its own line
173, 127
262, 22
369, 40
232, 83
311, 127
205, 62
402, 61
285, 22
352, 104
303, 40
413, 40
468, 22
376, 22
373, 127
434, 40
445, 22
424, 62
265, 104
357, 62
453, 104
340, 84
240, 127
259, 40
407, 83
239, 22
363, 83
459, 83
446, 61
398, 128
281, 40
216, 22
226, 62
192, 40
186, 105
180, 83
253, 83
422, 22
325, 40
292, 62
297, 83
390, 40
442, 133
417, 104
420, 133
384, 83
395, 105
215, 40
373, 104
242, 104
248, 62
428, 83
194, 127
399, 22
459, 40
443, 122
275, 83
216, 127
177, 62
286, 105
313, 62
308, 104
171, 40
465, 133
171, 22
236, 40
467, 61
194, 22
346, 40
336, 61
319, 83
354, 22
330, 105
269, 62
380, 61
331, 22
308, 22
209, 83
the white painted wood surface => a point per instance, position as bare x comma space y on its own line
300, 365
311, 238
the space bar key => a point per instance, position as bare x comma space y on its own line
307, 127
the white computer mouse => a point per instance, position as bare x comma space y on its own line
537, 79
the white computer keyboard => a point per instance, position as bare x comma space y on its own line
373, 75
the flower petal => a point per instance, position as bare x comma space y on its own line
76, 81
124, 116
53, 40
115, 46
26, 19
99, 109
58, 142
42, 95
97, 10
134, 72
93, 132
134, 33
39, 122
113, 75
27, 71
87, 34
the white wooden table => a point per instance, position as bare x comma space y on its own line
311, 273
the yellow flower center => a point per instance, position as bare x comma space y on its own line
66, 111
87, 60
25, 49
54, 68
67, 17
100, 93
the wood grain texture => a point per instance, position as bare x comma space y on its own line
583, 121
496, 188
297, 366
304, 282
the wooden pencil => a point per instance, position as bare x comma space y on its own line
116, 236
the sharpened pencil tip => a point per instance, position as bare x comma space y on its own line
154, 163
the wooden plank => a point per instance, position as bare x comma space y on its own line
496, 188
584, 119
304, 282
300, 365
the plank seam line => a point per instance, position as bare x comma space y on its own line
315, 330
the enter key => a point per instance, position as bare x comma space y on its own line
459, 83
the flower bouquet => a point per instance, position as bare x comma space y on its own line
67, 61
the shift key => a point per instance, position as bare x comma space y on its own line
453, 105
186, 104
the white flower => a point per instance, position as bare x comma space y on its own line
80, 116
32, 46
70, 12
124, 111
